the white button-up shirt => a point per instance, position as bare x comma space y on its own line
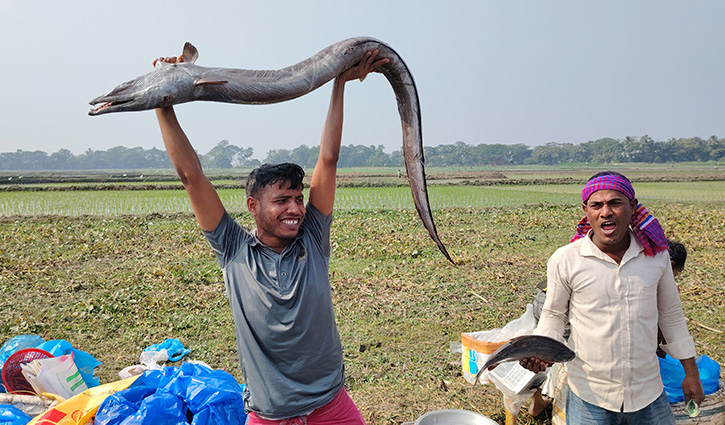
614, 310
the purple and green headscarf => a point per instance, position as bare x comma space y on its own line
645, 227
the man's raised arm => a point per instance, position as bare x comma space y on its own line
322, 187
204, 199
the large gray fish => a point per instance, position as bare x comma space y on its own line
524, 347
174, 83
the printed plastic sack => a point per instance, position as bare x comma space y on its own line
173, 395
515, 383
80, 409
56, 375
673, 373
478, 346
85, 362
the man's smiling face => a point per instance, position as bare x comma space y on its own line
278, 212
610, 213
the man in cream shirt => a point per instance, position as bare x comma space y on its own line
614, 284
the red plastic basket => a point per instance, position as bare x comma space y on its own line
12, 374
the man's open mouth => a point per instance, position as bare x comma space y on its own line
608, 226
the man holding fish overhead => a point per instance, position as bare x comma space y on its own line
614, 284
276, 277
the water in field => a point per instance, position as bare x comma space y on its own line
501, 196
113, 203
447, 197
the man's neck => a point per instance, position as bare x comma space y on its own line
614, 251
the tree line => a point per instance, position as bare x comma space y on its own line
225, 155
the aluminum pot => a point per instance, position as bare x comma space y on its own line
454, 417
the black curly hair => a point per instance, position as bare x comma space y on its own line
268, 174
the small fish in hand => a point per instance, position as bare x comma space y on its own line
540, 347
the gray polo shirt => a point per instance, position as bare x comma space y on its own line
288, 342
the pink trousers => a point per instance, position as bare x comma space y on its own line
339, 411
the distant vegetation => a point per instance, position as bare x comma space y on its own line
226, 156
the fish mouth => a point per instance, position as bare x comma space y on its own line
125, 97
104, 104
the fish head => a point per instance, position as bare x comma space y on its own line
168, 84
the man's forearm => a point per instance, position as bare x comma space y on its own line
690, 366
691, 385
332, 132
322, 185
182, 155
204, 199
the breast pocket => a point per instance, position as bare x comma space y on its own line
646, 296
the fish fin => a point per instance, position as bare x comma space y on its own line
190, 54
203, 81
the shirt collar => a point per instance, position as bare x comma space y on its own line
257, 242
590, 249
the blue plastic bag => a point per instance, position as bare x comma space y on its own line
673, 373
709, 374
11, 415
191, 394
174, 349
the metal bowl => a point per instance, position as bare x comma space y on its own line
454, 417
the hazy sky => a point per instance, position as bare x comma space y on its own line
527, 72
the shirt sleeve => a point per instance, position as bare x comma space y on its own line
555, 312
672, 322
226, 239
318, 225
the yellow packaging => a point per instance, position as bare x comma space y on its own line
79, 409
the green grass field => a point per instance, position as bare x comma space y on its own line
114, 272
